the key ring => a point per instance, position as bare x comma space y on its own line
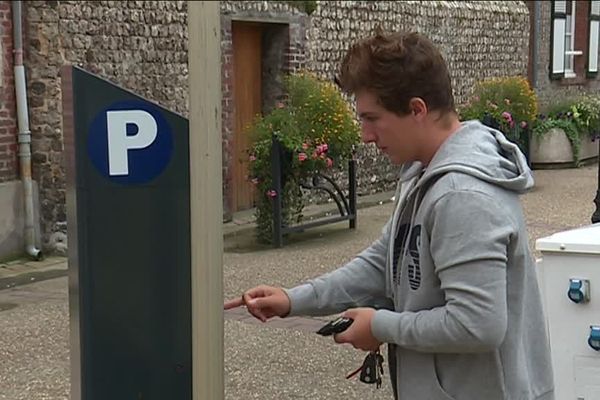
371, 369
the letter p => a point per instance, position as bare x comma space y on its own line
119, 143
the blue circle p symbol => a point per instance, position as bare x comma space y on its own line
130, 143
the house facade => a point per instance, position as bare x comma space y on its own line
142, 46
564, 48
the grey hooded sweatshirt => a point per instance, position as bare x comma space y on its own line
452, 277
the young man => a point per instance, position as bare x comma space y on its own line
450, 285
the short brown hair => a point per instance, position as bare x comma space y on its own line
397, 67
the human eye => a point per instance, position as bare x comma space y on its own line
368, 118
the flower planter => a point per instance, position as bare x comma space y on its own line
553, 150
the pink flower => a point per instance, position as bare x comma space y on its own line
322, 148
523, 124
507, 116
315, 155
252, 157
271, 193
329, 162
302, 157
304, 146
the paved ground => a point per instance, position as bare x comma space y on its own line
282, 359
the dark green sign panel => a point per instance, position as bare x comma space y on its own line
129, 254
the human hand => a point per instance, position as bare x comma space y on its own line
263, 302
359, 334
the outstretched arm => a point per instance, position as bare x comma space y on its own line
360, 282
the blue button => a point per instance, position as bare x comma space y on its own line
594, 339
578, 290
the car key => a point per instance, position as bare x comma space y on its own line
336, 326
371, 369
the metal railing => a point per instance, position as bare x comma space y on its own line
346, 205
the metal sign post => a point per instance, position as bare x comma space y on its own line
128, 211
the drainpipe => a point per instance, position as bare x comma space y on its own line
536, 39
24, 133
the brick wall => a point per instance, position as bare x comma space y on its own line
8, 118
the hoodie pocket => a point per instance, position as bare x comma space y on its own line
470, 376
438, 382
417, 378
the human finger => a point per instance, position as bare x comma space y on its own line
254, 307
350, 313
258, 291
237, 302
342, 338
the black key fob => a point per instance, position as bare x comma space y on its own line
369, 372
336, 326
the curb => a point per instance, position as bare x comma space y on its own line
31, 277
233, 229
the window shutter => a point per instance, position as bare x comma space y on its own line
557, 53
594, 36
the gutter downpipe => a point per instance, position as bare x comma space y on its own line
536, 39
24, 132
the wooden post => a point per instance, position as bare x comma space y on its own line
204, 58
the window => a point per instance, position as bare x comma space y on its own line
594, 37
575, 37
570, 51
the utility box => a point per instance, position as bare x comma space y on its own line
569, 276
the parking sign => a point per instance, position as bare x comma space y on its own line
130, 142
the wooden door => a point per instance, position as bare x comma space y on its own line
247, 100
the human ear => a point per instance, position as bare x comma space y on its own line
417, 107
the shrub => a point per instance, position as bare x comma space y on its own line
584, 111
317, 130
510, 101
586, 114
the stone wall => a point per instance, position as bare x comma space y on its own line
142, 45
8, 115
478, 40
547, 90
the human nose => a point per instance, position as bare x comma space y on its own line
368, 134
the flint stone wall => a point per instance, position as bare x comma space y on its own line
142, 45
